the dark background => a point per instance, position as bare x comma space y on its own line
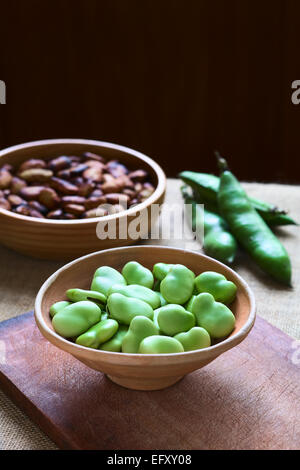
174, 79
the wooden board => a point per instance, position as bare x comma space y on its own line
248, 398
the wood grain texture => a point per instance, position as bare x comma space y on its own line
248, 398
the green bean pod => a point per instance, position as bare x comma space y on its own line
250, 229
206, 186
219, 243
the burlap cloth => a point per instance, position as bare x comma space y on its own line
21, 277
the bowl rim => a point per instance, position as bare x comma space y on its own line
235, 339
158, 192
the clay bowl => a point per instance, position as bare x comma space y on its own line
138, 371
68, 239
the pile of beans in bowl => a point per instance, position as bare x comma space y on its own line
72, 187
166, 310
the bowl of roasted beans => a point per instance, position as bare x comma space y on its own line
145, 315
55, 193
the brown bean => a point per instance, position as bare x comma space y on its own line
85, 189
59, 163
145, 193
130, 192
17, 184
38, 206
63, 186
93, 156
93, 173
35, 213
75, 209
116, 169
7, 167
22, 209
138, 175
5, 178
49, 198
31, 192
93, 202
56, 214
72, 172
73, 200
96, 193
138, 187
97, 212
36, 175
117, 198
4, 204
25, 209
15, 200
32, 163
68, 216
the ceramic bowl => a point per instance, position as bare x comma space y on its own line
138, 371
68, 239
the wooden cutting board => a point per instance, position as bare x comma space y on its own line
248, 398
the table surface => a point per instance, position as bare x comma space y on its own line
21, 278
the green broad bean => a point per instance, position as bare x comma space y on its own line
104, 278
138, 292
135, 273
115, 343
76, 318
213, 316
163, 301
124, 309
217, 285
178, 285
104, 315
160, 345
140, 328
188, 305
97, 334
173, 319
55, 308
160, 270
75, 295
196, 338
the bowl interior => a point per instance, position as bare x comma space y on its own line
79, 273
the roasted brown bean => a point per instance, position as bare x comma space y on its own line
117, 198
32, 163
31, 192
93, 202
4, 204
72, 200
68, 216
85, 189
138, 175
75, 209
63, 186
7, 167
5, 178
93, 173
36, 175
15, 200
38, 206
116, 169
93, 156
56, 214
17, 184
49, 198
59, 163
